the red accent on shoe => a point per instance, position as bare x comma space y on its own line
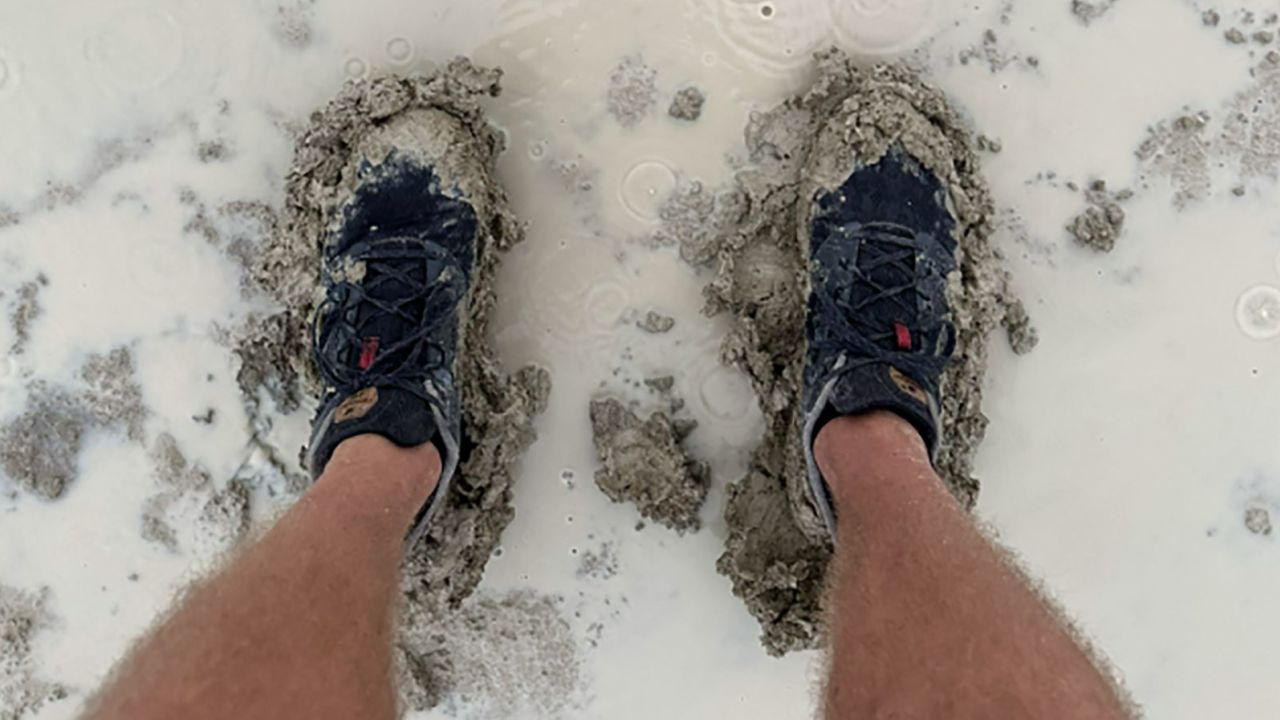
904, 336
369, 352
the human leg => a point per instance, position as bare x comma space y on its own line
928, 620
299, 625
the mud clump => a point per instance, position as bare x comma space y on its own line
1258, 521
687, 104
1101, 223
633, 91
643, 461
438, 119
656, 323
510, 655
23, 616
778, 549
40, 449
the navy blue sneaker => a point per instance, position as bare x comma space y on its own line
878, 326
396, 277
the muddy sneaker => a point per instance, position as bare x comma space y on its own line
878, 327
396, 277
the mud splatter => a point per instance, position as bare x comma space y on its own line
439, 117
1102, 221
1258, 521
508, 655
778, 552
1086, 12
189, 509
644, 462
600, 564
26, 311
23, 616
687, 104
40, 449
1244, 136
1179, 150
633, 91
292, 26
656, 323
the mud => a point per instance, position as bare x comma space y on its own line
599, 564
292, 26
695, 219
40, 448
510, 655
644, 462
778, 551
23, 616
1258, 521
1178, 150
1086, 12
1242, 136
633, 91
439, 116
26, 311
189, 508
687, 104
656, 323
1102, 221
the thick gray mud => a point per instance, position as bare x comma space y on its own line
644, 461
439, 118
778, 551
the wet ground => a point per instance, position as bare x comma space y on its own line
1132, 460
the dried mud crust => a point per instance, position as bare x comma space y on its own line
448, 127
778, 552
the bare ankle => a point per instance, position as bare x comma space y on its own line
854, 452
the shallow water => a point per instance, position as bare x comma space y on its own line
1130, 460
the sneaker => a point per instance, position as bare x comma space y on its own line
878, 327
396, 278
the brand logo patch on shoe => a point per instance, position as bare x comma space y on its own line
357, 406
908, 386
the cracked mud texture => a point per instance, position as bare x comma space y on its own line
687, 104
438, 117
511, 655
1102, 221
23, 615
40, 448
644, 462
778, 550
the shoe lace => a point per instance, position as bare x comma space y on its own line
863, 335
424, 302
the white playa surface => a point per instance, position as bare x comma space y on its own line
1133, 460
